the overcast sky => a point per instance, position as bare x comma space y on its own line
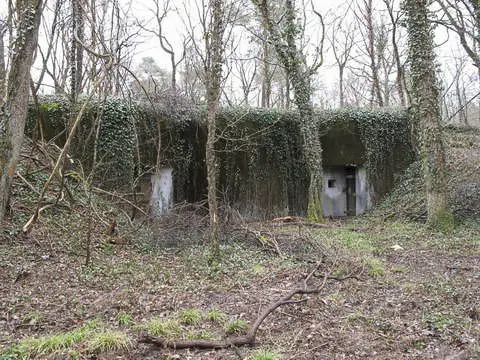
147, 45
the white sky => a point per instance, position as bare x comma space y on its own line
174, 30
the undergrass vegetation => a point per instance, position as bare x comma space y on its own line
190, 316
162, 327
216, 316
264, 354
236, 326
91, 338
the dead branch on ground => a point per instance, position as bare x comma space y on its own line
295, 296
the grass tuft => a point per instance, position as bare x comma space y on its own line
158, 327
264, 354
190, 316
236, 326
108, 341
375, 266
216, 316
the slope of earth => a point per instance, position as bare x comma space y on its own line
462, 146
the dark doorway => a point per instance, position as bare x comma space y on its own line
350, 190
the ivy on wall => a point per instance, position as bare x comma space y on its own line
116, 142
261, 164
105, 139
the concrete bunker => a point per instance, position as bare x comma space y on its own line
262, 172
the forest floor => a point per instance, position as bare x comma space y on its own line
414, 294
387, 289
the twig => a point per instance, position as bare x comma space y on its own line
27, 183
119, 197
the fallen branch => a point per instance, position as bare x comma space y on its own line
250, 337
265, 239
119, 197
293, 220
27, 183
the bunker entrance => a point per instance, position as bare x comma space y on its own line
350, 192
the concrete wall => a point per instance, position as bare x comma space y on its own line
364, 200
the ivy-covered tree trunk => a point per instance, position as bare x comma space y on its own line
214, 45
14, 110
426, 105
299, 75
3, 70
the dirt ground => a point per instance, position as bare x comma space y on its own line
412, 293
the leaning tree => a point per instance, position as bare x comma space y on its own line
13, 112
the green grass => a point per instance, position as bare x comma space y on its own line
264, 354
352, 240
62, 343
190, 316
124, 319
159, 327
202, 334
375, 266
216, 316
108, 341
236, 326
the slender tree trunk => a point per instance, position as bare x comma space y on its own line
376, 92
3, 70
79, 49
214, 78
340, 84
400, 79
266, 75
14, 110
73, 55
426, 103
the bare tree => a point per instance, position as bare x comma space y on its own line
463, 17
342, 39
365, 18
160, 13
394, 16
14, 109
427, 112
247, 72
76, 50
3, 69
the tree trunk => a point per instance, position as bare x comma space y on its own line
79, 19
299, 75
14, 111
400, 78
340, 85
376, 92
214, 78
427, 113
266, 75
3, 69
